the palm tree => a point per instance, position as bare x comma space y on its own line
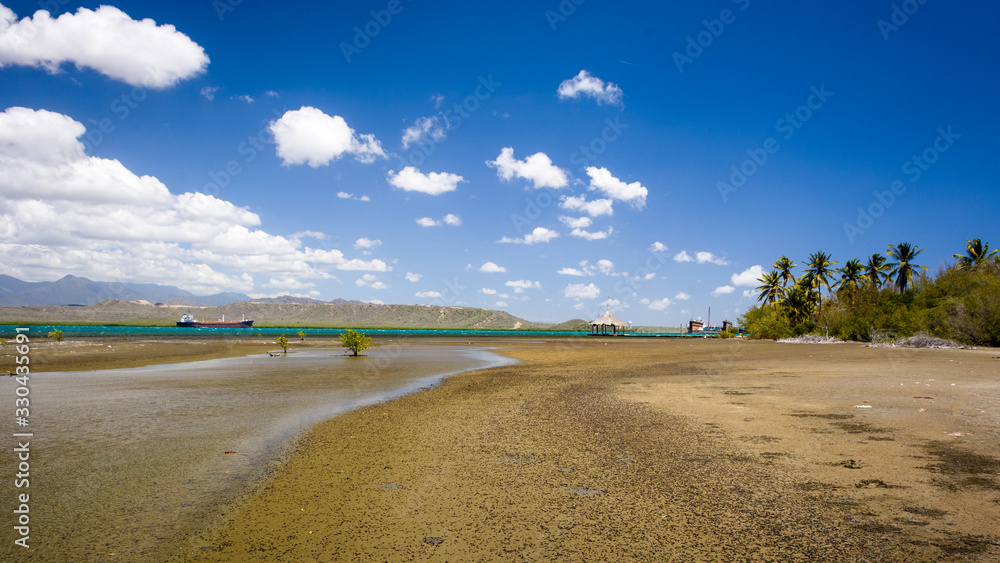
800, 301
771, 289
876, 271
976, 254
902, 269
852, 275
784, 266
821, 271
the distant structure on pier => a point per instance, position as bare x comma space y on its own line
600, 326
695, 326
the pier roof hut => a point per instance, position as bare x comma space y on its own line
607, 320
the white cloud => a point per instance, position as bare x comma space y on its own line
370, 280
288, 284
748, 277
521, 285
683, 256
209, 92
449, 219
581, 291
428, 294
366, 244
580, 223
411, 277
594, 208
602, 181
537, 168
709, 258
491, 268
607, 267
244, 98
571, 272
500, 304
586, 84
423, 128
487, 291
656, 304
588, 235
658, 247
345, 195
137, 52
723, 290
682, 296
434, 183
272, 94
539, 234
62, 212
309, 136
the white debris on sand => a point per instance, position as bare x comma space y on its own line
811, 339
921, 341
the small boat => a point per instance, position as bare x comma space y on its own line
189, 321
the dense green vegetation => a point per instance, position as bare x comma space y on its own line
356, 342
878, 299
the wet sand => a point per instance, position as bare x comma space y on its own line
129, 464
650, 450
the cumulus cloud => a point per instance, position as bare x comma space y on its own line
449, 219
588, 235
491, 268
423, 128
577, 223
346, 195
658, 247
594, 208
607, 267
683, 256
487, 291
537, 168
581, 291
709, 258
500, 304
428, 294
521, 285
411, 277
309, 136
723, 290
601, 180
748, 277
434, 183
700, 257
656, 304
571, 272
62, 211
586, 84
370, 280
209, 92
366, 245
682, 296
107, 40
539, 234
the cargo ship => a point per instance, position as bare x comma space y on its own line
189, 321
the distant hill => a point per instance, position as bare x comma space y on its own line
318, 314
73, 290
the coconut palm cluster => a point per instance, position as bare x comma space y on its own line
882, 293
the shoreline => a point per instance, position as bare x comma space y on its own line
632, 449
641, 450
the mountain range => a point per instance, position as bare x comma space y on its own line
73, 290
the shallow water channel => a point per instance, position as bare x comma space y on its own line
129, 464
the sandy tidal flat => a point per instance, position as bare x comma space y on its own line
655, 450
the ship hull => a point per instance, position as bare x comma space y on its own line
216, 324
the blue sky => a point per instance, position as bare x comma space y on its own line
544, 158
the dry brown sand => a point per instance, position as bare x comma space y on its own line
648, 449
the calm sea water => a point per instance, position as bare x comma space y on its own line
134, 462
7, 331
